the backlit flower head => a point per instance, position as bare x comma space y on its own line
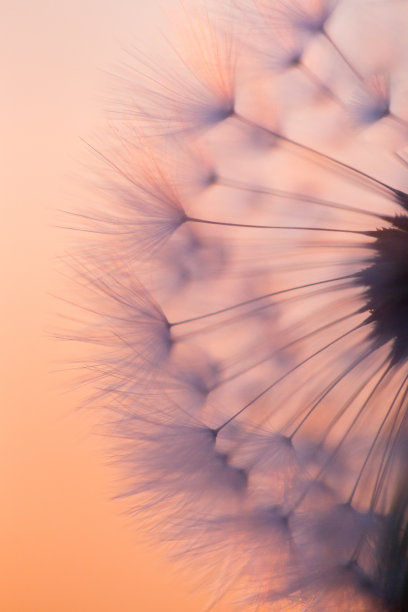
251, 279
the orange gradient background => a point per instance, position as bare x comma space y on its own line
66, 547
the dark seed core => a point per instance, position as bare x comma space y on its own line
386, 293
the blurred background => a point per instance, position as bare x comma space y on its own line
65, 545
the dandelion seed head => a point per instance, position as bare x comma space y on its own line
249, 302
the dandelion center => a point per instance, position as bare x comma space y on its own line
386, 295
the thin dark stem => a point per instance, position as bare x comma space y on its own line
258, 298
320, 85
349, 429
328, 389
381, 187
251, 313
276, 227
379, 430
225, 182
278, 380
400, 159
398, 120
340, 53
284, 347
350, 400
389, 449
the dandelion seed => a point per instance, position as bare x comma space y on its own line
203, 73
254, 305
371, 102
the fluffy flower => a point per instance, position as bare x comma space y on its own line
254, 317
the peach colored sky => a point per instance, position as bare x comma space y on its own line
65, 547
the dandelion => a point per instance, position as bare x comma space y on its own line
251, 278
